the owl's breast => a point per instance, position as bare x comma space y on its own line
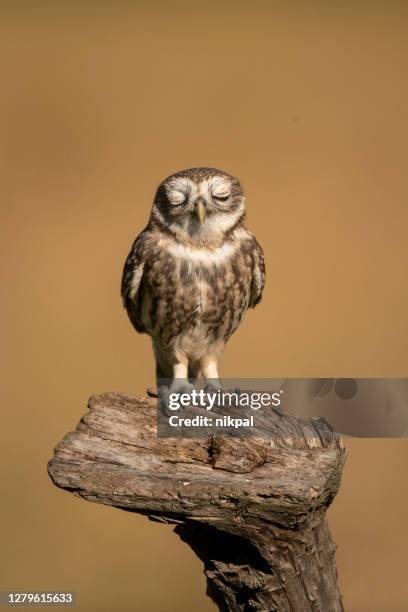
196, 291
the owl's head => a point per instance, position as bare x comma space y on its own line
200, 203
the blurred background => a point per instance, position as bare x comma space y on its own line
305, 102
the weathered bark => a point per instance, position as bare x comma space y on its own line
252, 509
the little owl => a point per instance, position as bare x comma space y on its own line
192, 273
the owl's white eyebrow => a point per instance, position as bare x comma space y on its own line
183, 185
220, 187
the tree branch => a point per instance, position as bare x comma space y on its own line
252, 509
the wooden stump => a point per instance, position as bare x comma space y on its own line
252, 509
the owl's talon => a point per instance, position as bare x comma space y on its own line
212, 387
181, 386
163, 394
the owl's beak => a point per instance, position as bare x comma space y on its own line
200, 210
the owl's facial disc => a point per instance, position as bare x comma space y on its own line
202, 208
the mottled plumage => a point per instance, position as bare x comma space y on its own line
193, 272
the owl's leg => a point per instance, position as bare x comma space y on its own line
209, 369
180, 370
171, 369
180, 382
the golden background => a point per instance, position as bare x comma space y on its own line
306, 102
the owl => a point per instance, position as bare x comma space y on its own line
192, 273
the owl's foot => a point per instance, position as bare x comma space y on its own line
213, 384
166, 394
180, 385
163, 397
177, 386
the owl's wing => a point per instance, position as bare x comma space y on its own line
131, 281
258, 274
